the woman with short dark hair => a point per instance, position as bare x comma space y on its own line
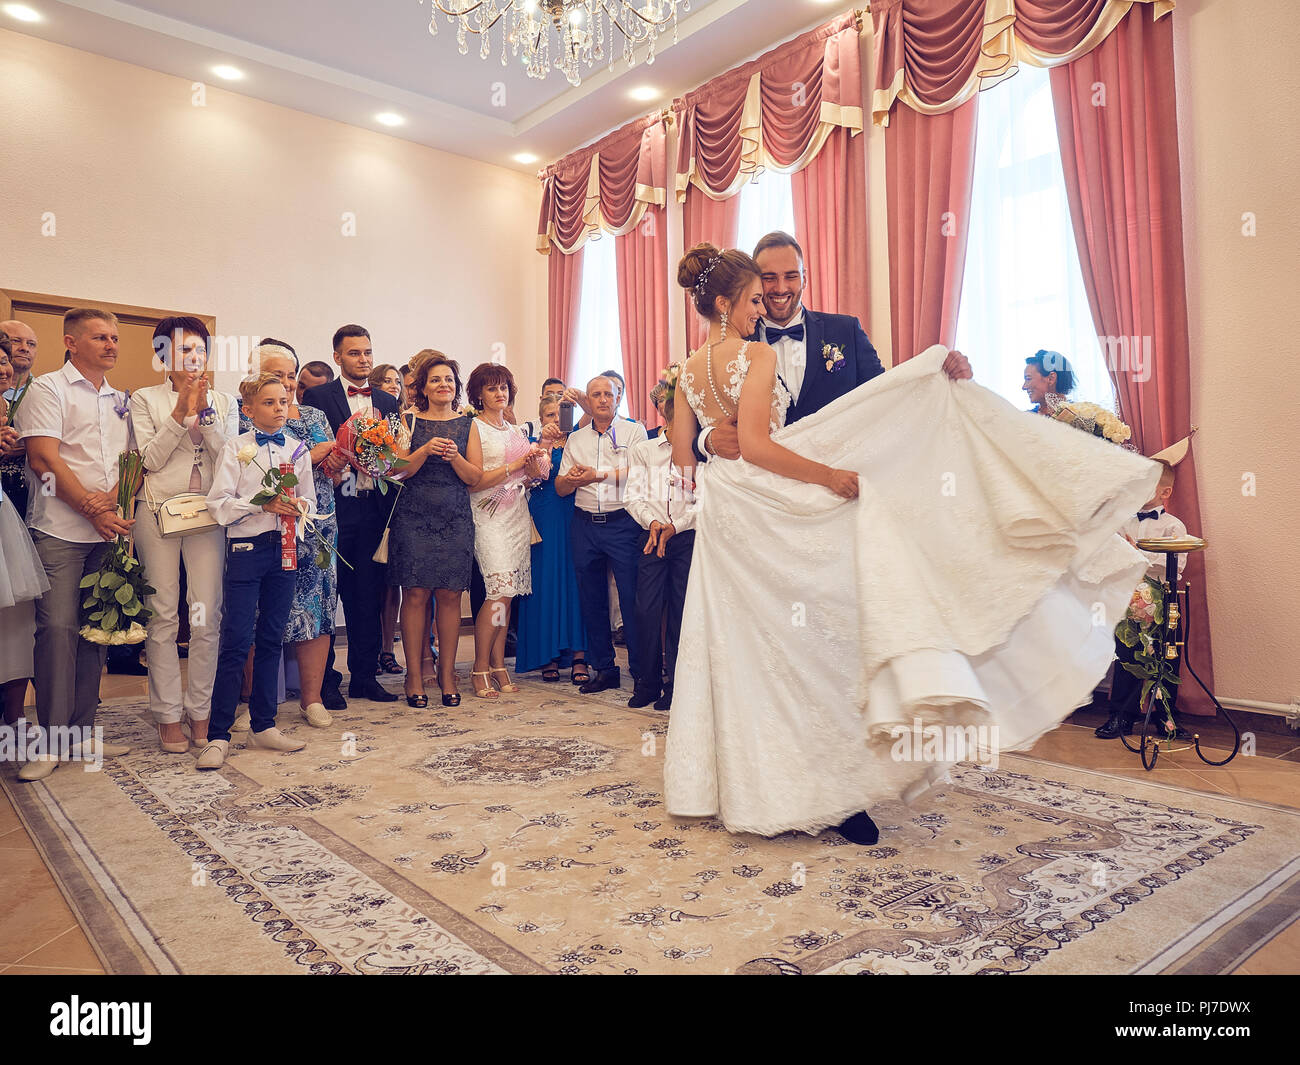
1049, 378
502, 528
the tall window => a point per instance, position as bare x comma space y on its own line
1023, 289
765, 205
599, 345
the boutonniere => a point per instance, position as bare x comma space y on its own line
834, 358
124, 408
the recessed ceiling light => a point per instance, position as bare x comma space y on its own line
387, 118
645, 92
229, 73
526, 158
22, 13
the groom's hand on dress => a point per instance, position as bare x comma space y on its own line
957, 366
724, 441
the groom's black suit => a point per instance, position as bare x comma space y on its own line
361, 520
820, 385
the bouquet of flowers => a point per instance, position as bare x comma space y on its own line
114, 609
369, 443
19, 396
1091, 418
276, 482
1139, 630
512, 488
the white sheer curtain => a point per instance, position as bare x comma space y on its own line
1023, 289
600, 344
766, 204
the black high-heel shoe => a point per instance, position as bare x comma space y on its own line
451, 700
418, 702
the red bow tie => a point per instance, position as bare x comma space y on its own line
358, 391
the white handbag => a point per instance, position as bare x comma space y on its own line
182, 514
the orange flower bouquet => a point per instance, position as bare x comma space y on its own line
370, 443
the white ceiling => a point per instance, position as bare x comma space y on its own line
351, 59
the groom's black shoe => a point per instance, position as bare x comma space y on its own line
860, 829
642, 697
332, 699
1116, 725
371, 689
665, 701
601, 679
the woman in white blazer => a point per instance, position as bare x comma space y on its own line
180, 427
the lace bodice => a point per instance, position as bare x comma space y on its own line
717, 398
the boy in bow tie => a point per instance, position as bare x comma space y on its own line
256, 582
1151, 522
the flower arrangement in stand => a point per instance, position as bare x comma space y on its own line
114, 610
1140, 631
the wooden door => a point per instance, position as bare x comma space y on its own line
136, 367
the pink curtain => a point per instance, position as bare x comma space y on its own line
830, 216
933, 55
805, 86
716, 221
630, 175
1120, 157
929, 171
565, 288
642, 261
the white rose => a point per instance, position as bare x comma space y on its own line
94, 634
116, 639
246, 454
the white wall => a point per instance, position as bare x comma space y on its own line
235, 209
1239, 139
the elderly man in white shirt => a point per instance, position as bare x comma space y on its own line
76, 425
594, 472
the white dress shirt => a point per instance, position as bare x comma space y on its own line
91, 434
1164, 525
791, 354
234, 484
170, 454
655, 491
607, 451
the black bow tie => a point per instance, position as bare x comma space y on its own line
771, 334
1144, 514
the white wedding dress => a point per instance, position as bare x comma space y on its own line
976, 581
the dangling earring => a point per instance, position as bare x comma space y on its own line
724, 327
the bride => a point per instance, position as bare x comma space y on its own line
886, 565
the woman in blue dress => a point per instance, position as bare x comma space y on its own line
550, 632
311, 621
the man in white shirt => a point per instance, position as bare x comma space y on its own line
594, 471
75, 426
665, 508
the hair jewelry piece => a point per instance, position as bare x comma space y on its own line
704, 274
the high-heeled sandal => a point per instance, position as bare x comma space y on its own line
551, 674
579, 673
509, 685
418, 702
388, 663
451, 698
484, 693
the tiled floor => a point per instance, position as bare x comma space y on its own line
40, 935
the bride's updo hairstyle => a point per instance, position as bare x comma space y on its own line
708, 273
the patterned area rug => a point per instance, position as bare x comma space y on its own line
529, 836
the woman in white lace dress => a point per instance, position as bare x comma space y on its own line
502, 527
886, 564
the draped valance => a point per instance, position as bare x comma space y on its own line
605, 186
775, 112
934, 55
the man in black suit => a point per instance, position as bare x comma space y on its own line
819, 356
362, 513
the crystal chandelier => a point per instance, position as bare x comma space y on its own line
583, 30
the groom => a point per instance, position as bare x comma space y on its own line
805, 343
